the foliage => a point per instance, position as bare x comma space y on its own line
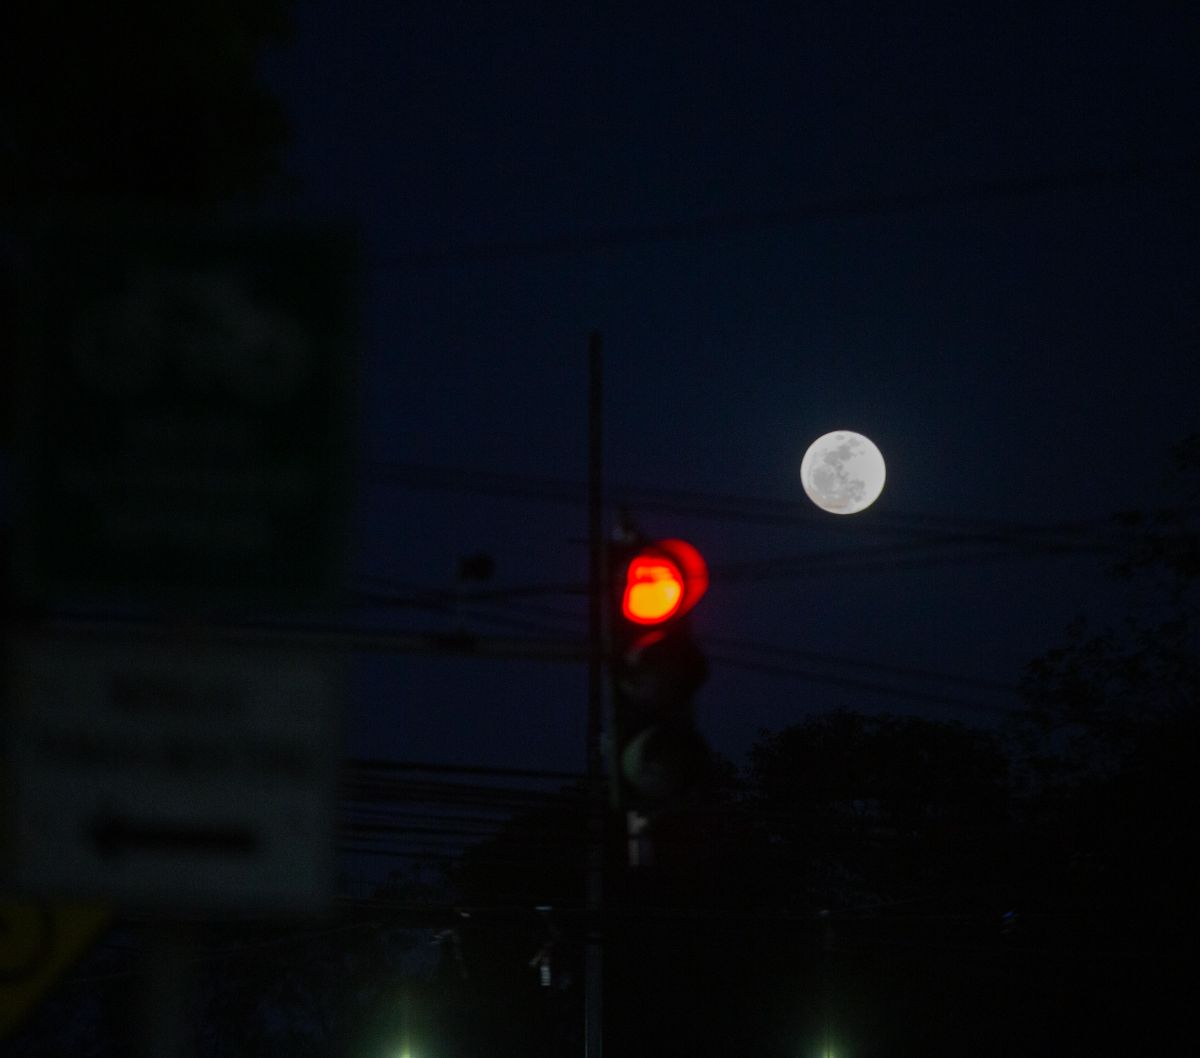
1112, 713
893, 884
873, 809
1106, 746
136, 105
142, 100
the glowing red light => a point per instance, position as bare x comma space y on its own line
663, 581
654, 589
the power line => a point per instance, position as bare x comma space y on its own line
842, 207
860, 684
858, 664
841, 560
741, 647
734, 655
870, 560
720, 506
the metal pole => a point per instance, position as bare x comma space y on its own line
594, 962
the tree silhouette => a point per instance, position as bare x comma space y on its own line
139, 101
139, 106
874, 809
1107, 748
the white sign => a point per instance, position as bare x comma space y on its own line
171, 776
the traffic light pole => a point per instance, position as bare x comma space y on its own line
597, 801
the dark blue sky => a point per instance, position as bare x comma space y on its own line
972, 236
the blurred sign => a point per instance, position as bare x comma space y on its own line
171, 777
183, 414
38, 943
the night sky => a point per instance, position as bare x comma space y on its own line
970, 235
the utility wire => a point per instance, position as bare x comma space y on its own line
842, 207
740, 653
858, 664
883, 560
720, 506
947, 550
858, 684
733, 652
1018, 544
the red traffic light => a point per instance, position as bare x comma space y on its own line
663, 581
653, 589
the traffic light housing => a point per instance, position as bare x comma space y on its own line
659, 759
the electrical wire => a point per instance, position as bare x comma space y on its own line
720, 506
735, 650
948, 550
843, 207
858, 664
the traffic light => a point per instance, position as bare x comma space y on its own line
659, 759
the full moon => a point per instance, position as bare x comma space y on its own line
843, 472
